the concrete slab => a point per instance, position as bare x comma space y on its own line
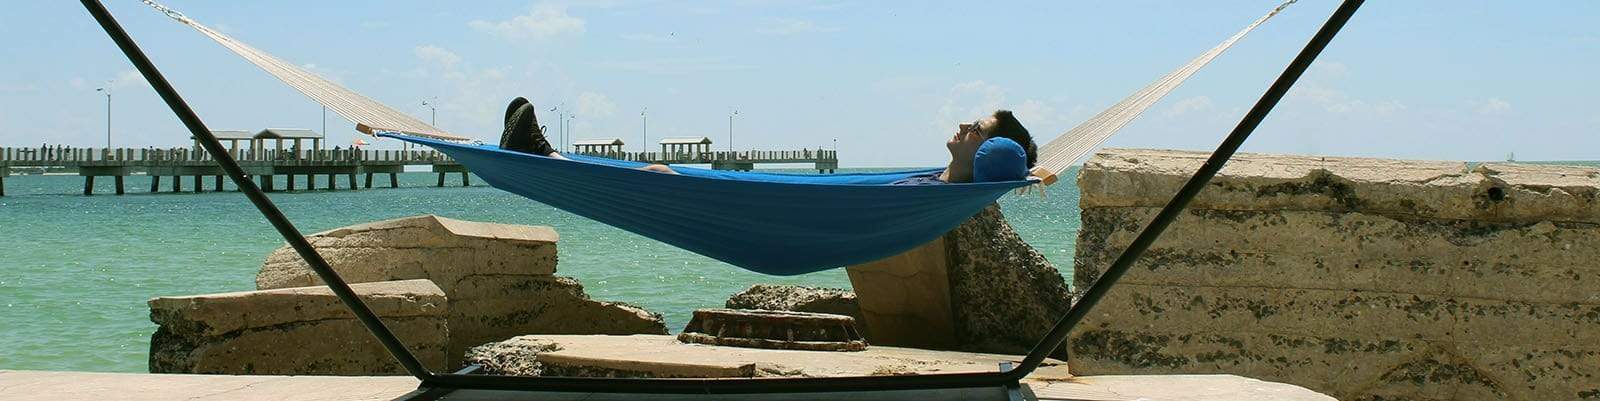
664, 356
70, 386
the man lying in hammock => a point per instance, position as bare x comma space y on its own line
993, 148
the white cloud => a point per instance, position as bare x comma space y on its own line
1189, 105
786, 26
544, 21
438, 56
968, 101
1493, 106
129, 78
595, 105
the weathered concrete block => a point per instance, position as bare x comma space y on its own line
1492, 192
299, 331
1002, 295
498, 276
1367, 279
797, 299
444, 250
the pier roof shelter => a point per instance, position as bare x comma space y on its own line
598, 145
294, 135
232, 137
685, 145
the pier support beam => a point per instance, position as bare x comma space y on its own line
369, 180
199, 186
353, 182
219, 184
311, 182
394, 182
332, 185
291, 182
441, 180
155, 183
266, 182
88, 185
119, 184
3, 174
464, 180
177, 183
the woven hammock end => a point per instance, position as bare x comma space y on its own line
1045, 176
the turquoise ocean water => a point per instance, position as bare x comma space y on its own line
75, 271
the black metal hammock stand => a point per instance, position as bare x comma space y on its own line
1007, 377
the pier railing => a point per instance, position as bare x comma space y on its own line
751, 156
64, 156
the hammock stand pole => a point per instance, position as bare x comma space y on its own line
1190, 189
435, 385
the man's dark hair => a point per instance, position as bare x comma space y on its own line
1008, 127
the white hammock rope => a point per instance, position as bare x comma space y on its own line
1064, 151
370, 116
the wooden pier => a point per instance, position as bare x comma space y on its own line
261, 164
697, 150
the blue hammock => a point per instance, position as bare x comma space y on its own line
779, 224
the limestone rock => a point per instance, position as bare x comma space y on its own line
979, 287
498, 276
444, 250
302, 331
797, 299
1366, 279
1004, 295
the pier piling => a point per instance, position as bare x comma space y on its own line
119, 184
219, 184
353, 182
464, 180
88, 185
369, 181
155, 183
311, 182
332, 185
290, 187
177, 184
199, 186
394, 182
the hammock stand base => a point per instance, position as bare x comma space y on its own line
1006, 380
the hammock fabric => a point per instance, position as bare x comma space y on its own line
779, 224
769, 223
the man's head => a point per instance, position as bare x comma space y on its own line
1001, 124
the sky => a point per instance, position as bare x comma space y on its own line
885, 82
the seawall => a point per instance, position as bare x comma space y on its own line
1364, 279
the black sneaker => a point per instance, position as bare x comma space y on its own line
523, 133
512, 108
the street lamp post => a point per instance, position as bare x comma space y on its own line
433, 115
730, 129
644, 142
561, 121
566, 138
107, 91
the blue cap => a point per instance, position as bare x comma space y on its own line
1000, 159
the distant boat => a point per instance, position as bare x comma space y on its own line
1511, 157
